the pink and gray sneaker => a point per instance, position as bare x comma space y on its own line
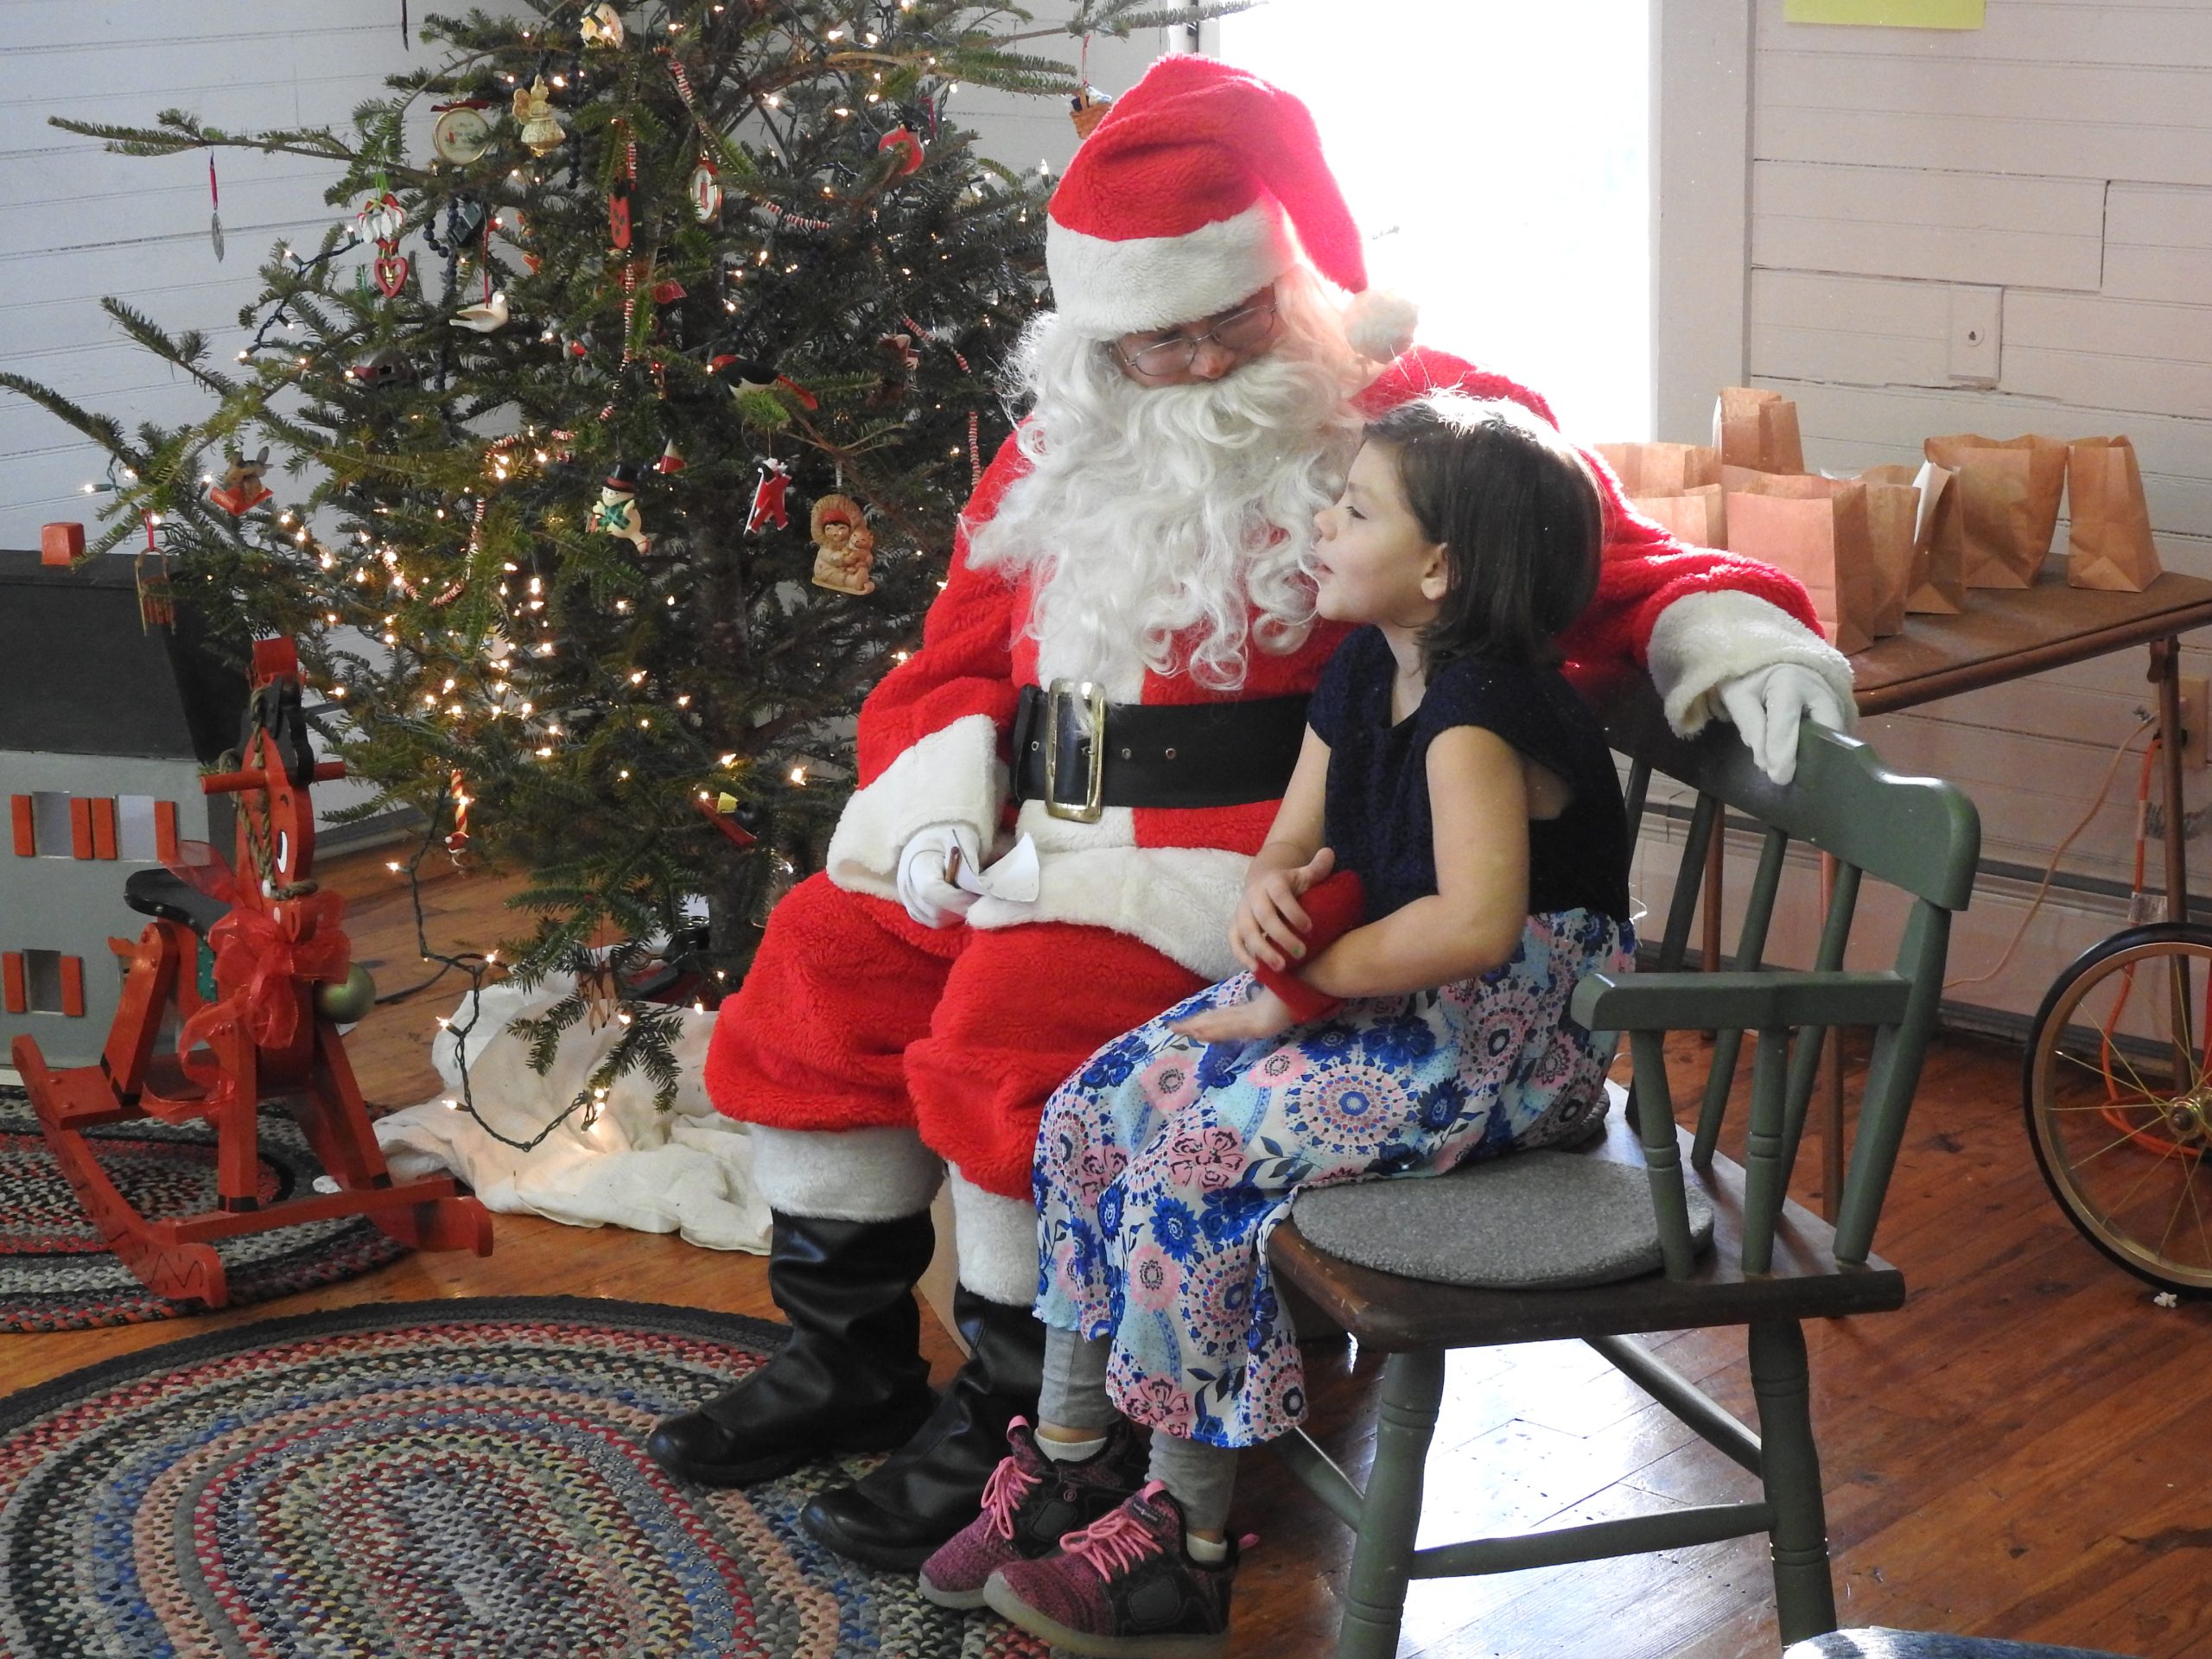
1028, 1503
1124, 1587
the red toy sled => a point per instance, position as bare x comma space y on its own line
284, 975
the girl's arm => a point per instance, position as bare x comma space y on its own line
1478, 803
1269, 920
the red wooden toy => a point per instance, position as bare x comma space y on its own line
284, 976
60, 544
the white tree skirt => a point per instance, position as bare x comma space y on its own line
688, 1170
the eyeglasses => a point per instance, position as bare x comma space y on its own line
1240, 331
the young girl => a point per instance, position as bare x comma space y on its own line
1451, 771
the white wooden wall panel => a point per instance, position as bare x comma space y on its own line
2168, 34
1849, 330
2062, 154
2157, 239
1971, 227
1700, 76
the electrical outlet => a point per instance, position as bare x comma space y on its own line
2195, 697
1975, 339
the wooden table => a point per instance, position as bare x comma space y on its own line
2002, 636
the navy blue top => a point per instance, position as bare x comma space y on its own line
1377, 816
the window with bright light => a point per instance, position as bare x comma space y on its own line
1497, 158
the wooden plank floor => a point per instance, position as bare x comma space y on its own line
2024, 1451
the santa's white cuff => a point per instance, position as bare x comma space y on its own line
1703, 640
952, 776
845, 1174
996, 1243
1180, 900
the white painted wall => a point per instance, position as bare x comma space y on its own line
2057, 154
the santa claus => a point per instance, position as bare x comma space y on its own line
1058, 793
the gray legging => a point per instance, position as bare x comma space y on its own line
1200, 1477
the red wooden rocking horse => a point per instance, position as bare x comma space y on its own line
284, 975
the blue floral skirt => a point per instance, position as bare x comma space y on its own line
1165, 1163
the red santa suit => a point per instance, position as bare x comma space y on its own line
869, 1050
856, 1016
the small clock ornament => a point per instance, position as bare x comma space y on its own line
463, 132
542, 132
768, 505
242, 490
602, 25
844, 546
617, 512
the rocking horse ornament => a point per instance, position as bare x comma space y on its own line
284, 977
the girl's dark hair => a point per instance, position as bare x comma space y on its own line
1519, 516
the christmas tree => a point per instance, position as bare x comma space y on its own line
603, 457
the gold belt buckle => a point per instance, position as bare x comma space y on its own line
1061, 695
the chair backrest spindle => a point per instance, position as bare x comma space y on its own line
1916, 835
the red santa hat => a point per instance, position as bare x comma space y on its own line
1200, 187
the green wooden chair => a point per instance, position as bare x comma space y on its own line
1770, 1264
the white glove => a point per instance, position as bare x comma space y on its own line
1766, 705
927, 873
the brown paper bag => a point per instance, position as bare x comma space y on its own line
2005, 505
1900, 517
1662, 468
1816, 530
1938, 584
1758, 430
1696, 516
2108, 542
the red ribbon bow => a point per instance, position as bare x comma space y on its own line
261, 959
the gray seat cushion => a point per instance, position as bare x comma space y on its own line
1920, 1644
1528, 1220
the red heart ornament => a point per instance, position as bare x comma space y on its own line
391, 274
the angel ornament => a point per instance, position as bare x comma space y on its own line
844, 546
541, 128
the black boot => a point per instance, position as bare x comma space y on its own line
896, 1515
850, 1378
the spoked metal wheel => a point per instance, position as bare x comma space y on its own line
2118, 1097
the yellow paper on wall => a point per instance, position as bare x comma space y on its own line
1886, 14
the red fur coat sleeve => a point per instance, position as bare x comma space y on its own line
965, 665
932, 734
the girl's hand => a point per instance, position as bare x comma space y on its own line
1261, 1015
1270, 923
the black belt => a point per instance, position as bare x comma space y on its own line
1166, 755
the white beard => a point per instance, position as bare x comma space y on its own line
1168, 528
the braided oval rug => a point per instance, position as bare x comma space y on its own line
464, 1479
56, 1273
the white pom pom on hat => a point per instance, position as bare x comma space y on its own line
1201, 186
1380, 325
